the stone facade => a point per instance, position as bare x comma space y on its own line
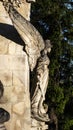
14, 72
17, 34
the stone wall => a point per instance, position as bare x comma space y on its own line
14, 72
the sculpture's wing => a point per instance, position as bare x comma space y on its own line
33, 40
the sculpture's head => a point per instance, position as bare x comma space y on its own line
4, 115
48, 46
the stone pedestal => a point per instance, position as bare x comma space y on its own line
38, 125
14, 73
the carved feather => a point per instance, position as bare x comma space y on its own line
33, 41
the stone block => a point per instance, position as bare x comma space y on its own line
6, 77
18, 125
11, 49
18, 78
12, 62
7, 96
15, 49
19, 108
21, 78
13, 121
4, 62
19, 50
17, 94
16, 62
18, 90
3, 46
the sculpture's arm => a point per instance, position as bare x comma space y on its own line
33, 41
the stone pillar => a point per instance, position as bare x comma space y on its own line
14, 73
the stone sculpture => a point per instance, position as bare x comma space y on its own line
36, 49
41, 83
33, 41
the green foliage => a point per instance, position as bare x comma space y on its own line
55, 98
56, 94
68, 124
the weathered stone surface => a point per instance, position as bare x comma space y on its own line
18, 89
33, 41
18, 78
37, 125
12, 48
14, 72
39, 86
4, 17
3, 47
19, 108
5, 76
18, 125
15, 49
12, 62
24, 9
14, 66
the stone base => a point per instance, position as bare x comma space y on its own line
38, 125
45, 127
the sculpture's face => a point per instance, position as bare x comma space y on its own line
49, 50
48, 46
4, 115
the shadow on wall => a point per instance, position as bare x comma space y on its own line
9, 32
